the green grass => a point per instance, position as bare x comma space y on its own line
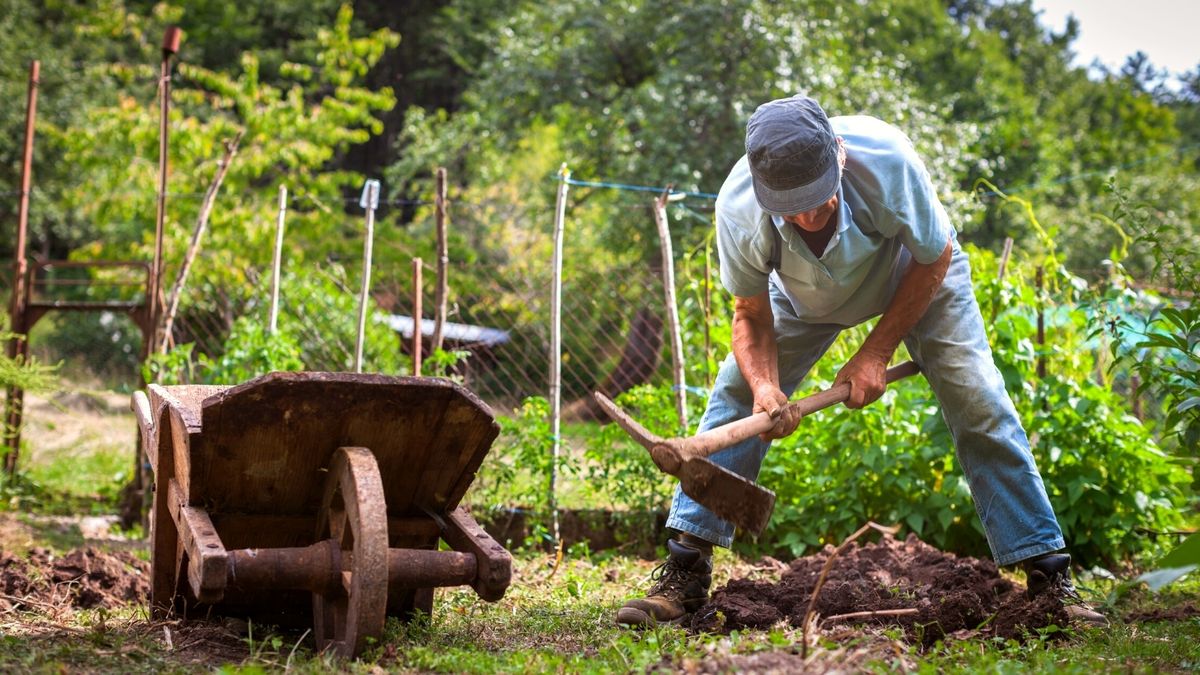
562, 622
77, 454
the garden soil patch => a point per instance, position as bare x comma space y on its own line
953, 596
84, 578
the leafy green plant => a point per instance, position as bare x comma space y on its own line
1157, 339
518, 466
248, 352
620, 469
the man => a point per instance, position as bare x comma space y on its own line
823, 224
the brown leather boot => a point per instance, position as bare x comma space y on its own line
1051, 573
680, 588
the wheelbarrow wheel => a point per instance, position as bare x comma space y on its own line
353, 515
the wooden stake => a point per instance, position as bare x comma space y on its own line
18, 345
1041, 323
707, 317
197, 234
418, 291
370, 202
1008, 244
277, 261
560, 214
668, 274
443, 261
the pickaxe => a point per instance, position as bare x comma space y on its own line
723, 492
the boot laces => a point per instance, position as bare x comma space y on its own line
670, 579
1060, 585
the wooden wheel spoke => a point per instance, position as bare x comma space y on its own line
354, 515
337, 524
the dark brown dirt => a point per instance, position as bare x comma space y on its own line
950, 594
85, 578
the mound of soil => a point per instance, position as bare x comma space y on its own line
84, 578
950, 594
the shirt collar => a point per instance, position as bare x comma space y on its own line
795, 242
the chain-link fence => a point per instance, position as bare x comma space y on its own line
614, 328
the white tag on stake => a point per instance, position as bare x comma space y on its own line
370, 195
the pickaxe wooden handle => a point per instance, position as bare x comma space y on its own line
670, 452
728, 495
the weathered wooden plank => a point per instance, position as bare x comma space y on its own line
267, 442
208, 561
475, 448
462, 441
495, 564
164, 538
140, 405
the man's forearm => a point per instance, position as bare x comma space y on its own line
754, 346
908, 305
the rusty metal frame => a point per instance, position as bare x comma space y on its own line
25, 311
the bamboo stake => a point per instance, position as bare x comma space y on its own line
370, 202
18, 345
1008, 244
668, 273
197, 234
417, 264
277, 261
560, 214
443, 261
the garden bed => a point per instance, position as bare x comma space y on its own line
929, 593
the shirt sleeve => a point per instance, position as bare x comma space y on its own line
914, 213
745, 269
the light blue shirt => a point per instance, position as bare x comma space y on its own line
888, 213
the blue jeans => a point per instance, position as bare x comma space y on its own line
950, 345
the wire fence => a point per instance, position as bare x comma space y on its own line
497, 322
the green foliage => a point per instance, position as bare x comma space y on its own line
517, 470
1165, 355
1106, 477
319, 308
248, 352
1180, 562
621, 470
317, 330
25, 373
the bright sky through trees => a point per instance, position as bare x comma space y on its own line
1111, 30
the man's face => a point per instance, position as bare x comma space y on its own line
814, 220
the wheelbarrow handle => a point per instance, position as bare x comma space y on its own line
713, 440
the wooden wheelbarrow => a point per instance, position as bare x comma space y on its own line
321, 495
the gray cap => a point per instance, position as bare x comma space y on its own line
793, 155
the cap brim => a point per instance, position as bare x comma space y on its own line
800, 199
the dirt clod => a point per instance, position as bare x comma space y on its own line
85, 578
950, 594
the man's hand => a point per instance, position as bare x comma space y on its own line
866, 372
769, 399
